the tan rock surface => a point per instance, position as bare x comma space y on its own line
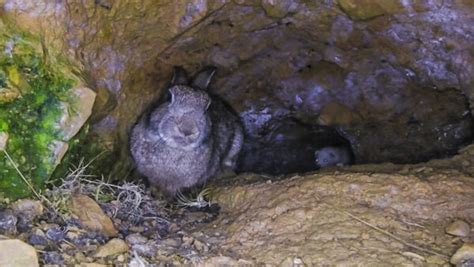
91, 215
16, 253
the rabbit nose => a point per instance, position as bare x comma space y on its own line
186, 128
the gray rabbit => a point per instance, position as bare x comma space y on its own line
185, 141
333, 156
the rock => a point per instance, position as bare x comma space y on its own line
28, 209
367, 9
458, 228
224, 261
16, 253
463, 254
53, 257
335, 114
59, 149
55, 233
278, 8
3, 140
8, 222
38, 238
92, 264
113, 247
171, 242
133, 239
200, 246
8, 94
149, 249
72, 122
292, 262
91, 215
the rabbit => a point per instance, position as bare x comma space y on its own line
183, 142
333, 156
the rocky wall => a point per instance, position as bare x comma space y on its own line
395, 78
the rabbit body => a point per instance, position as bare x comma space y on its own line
184, 142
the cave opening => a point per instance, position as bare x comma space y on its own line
383, 91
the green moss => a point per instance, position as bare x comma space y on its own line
31, 120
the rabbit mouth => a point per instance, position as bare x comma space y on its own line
187, 128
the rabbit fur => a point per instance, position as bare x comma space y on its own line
183, 142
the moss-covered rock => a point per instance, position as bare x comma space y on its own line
42, 105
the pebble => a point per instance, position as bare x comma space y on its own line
8, 222
56, 233
223, 261
148, 250
38, 238
133, 239
91, 215
3, 140
92, 264
80, 257
121, 258
200, 246
463, 254
458, 228
292, 262
15, 252
171, 242
27, 209
137, 229
113, 247
53, 257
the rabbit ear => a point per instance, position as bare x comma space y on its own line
179, 76
204, 77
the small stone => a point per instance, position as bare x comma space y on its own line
278, 8
458, 228
3, 140
55, 233
137, 229
8, 222
367, 9
200, 246
38, 238
71, 123
8, 94
28, 209
293, 262
187, 241
133, 239
80, 257
91, 215
53, 257
15, 252
59, 149
121, 258
113, 247
93, 264
72, 235
148, 250
463, 254
435, 260
223, 261
171, 242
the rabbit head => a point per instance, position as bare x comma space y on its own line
332, 156
186, 124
